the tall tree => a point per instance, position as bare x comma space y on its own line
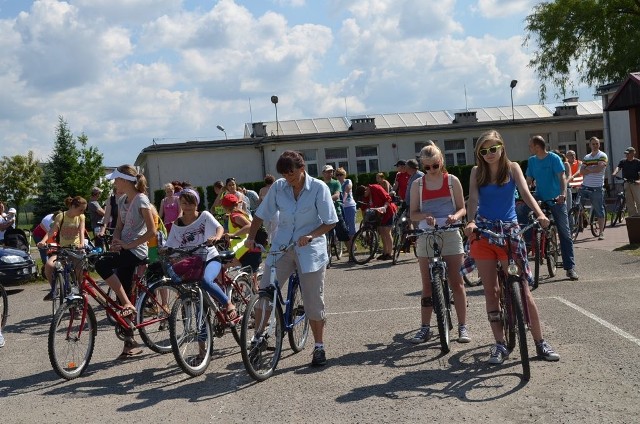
19, 179
597, 38
71, 170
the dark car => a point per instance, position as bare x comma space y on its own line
16, 266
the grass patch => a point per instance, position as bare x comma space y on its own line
633, 249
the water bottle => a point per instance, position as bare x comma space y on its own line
172, 274
96, 250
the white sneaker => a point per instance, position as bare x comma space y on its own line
463, 334
1, 340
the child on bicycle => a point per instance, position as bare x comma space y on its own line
437, 198
194, 228
70, 230
491, 205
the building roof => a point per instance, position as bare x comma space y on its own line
628, 95
416, 119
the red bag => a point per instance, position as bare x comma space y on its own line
190, 268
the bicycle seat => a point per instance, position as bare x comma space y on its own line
226, 256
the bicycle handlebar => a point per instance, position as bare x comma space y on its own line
626, 180
436, 229
479, 231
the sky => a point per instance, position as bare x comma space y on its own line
128, 72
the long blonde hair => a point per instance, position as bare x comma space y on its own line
483, 175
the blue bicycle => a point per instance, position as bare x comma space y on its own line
263, 327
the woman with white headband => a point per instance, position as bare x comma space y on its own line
134, 228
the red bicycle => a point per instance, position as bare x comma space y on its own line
73, 330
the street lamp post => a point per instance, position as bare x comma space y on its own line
274, 100
513, 85
221, 128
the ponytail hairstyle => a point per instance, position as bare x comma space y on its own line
141, 181
74, 202
431, 151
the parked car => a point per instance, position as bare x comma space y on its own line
16, 266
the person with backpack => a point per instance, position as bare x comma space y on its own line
437, 198
69, 230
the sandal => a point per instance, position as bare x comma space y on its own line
133, 350
128, 312
231, 312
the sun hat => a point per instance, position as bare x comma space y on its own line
327, 168
629, 150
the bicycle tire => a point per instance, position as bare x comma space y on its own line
396, 243
329, 253
4, 312
364, 246
618, 212
551, 250
593, 223
337, 248
59, 294
507, 317
261, 353
156, 335
575, 222
516, 300
240, 293
537, 256
71, 342
440, 309
299, 321
189, 337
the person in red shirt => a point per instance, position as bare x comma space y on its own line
402, 179
375, 197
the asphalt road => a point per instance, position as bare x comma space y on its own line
374, 374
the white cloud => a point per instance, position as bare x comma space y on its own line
501, 8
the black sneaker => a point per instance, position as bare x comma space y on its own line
319, 357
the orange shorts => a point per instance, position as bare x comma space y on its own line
481, 249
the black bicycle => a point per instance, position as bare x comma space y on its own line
620, 208
399, 233
4, 307
365, 242
440, 292
545, 245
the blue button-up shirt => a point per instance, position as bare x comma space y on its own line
298, 218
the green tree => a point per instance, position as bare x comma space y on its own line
597, 38
19, 179
71, 170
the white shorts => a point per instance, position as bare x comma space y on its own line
450, 243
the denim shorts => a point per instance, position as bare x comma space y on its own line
596, 195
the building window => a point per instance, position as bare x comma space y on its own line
311, 161
567, 141
367, 159
455, 152
338, 158
594, 133
420, 144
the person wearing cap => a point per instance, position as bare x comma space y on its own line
374, 197
630, 167
230, 187
306, 214
401, 182
239, 224
135, 227
5, 222
592, 169
414, 173
194, 228
96, 213
335, 189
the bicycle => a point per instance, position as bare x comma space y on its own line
73, 330
620, 208
334, 247
440, 292
545, 244
398, 234
263, 328
514, 312
365, 242
196, 317
64, 276
579, 218
4, 307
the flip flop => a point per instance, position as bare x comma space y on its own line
128, 312
231, 313
128, 355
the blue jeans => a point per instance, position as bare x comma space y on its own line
210, 273
596, 195
560, 216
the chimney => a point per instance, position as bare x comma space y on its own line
259, 129
363, 124
467, 117
566, 110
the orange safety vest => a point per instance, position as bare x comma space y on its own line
577, 180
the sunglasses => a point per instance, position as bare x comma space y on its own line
492, 149
430, 167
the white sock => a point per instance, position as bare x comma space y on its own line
319, 346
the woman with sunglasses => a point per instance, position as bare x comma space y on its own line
437, 198
491, 205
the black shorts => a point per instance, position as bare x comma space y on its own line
253, 259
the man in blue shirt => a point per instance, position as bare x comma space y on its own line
305, 214
547, 170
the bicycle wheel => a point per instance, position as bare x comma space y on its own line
397, 242
537, 255
240, 293
72, 339
516, 301
507, 317
364, 246
59, 294
261, 337
618, 213
298, 320
440, 308
4, 307
551, 250
337, 247
329, 239
190, 333
593, 223
153, 308
575, 222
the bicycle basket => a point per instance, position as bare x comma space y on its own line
183, 267
371, 217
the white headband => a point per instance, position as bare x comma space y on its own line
117, 174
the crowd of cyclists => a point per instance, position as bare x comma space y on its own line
303, 209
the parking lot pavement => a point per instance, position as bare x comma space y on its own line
614, 238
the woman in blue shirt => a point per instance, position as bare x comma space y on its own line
305, 213
491, 205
